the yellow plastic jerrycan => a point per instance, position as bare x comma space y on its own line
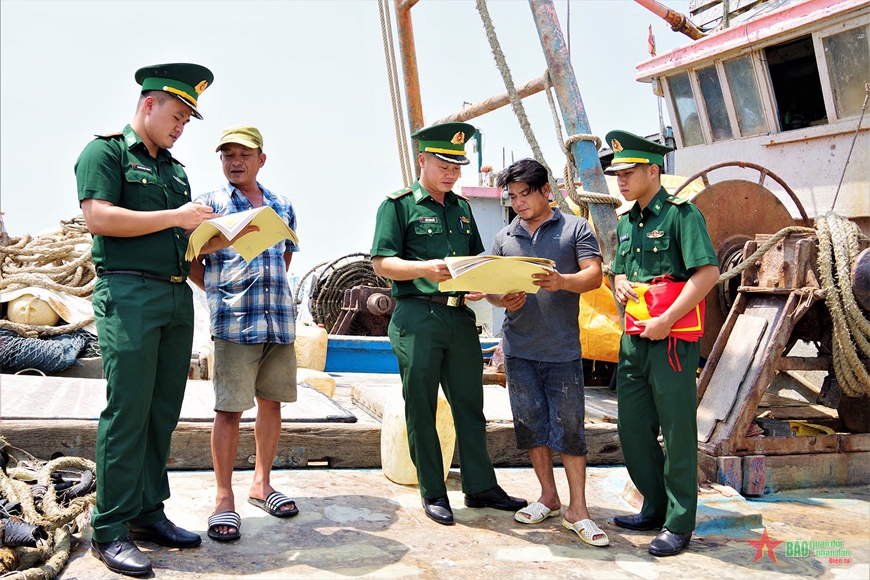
311, 341
395, 453
318, 379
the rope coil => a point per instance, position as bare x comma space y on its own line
60, 262
46, 560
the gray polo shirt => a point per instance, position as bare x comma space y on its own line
546, 327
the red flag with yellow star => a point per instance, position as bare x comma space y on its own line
651, 42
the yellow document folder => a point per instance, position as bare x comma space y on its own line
494, 274
272, 230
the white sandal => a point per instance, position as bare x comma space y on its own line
587, 530
534, 513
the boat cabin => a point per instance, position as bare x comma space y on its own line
782, 86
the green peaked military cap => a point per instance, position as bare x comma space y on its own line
630, 150
446, 141
182, 80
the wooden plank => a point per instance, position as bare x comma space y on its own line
82, 398
729, 373
729, 471
772, 308
852, 442
337, 445
823, 470
788, 445
804, 363
753, 475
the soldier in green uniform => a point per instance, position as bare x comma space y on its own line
136, 201
433, 334
660, 236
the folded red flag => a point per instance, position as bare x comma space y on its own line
654, 299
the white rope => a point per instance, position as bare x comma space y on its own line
395, 97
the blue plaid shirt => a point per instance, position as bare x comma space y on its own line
250, 303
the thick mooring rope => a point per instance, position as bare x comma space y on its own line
517, 102
60, 262
46, 560
838, 250
581, 198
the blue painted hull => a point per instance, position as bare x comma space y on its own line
368, 354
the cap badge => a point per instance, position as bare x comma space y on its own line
200, 87
655, 234
616, 146
458, 139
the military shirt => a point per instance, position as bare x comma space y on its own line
669, 237
413, 226
119, 169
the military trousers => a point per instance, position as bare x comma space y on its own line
435, 343
652, 395
145, 331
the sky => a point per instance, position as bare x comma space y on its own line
311, 75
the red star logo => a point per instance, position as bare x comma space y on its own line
765, 544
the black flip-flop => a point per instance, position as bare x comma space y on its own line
228, 519
273, 503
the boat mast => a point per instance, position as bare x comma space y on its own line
587, 163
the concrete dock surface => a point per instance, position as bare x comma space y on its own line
355, 523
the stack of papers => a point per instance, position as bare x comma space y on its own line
272, 230
494, 274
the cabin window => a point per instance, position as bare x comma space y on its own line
714, 101
744, 93
686, 109
848, 58
797, 90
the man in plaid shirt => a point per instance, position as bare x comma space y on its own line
253, 327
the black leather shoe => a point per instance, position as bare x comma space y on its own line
122, 557
638, 522
669, 543
495, 497
438, 510
166, 534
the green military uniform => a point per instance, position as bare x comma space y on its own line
436, 342
144, 318
668, 237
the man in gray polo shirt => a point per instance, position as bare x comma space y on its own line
542, 343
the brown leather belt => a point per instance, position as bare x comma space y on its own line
454, 301
172, 279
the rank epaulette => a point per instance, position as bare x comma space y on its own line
459, 195
676, 200
109, 135
400, 193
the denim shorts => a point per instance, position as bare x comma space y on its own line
548, 404
243, 371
